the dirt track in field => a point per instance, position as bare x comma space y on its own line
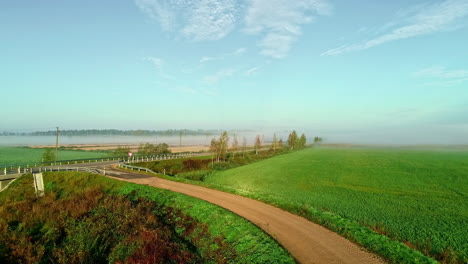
306, 241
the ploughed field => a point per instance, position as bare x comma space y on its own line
416, 196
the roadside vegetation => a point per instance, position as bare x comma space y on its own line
86, 218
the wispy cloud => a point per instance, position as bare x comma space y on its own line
161, 11
280, 22
206, 59
196, 20
185, 90
158, 64
440, 76
211, 20
423, 20
252, 71
237, 52
219, 75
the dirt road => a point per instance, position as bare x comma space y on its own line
306, 241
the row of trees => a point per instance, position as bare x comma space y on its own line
143, 149
220, 146
295, 142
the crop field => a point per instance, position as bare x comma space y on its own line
416, 196
11, 156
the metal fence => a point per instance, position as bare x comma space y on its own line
7, 170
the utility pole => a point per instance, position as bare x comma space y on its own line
56, 144
180, 139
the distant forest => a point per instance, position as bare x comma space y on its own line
116, 132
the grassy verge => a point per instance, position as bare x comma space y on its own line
198, 168
85, 217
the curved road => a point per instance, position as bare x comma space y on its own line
306, 241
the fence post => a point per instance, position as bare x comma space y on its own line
19, 169
4, 171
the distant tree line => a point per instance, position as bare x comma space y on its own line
143, 149
116, 132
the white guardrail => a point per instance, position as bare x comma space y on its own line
22, 170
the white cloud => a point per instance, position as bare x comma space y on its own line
206, 59
218, 76
239, 51
197, 20
211, 20
440, 76
424, 20
157, 62
158, 65
441, 72
252, 71
185, 90
280, 21
161, 11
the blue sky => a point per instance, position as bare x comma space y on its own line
350, 71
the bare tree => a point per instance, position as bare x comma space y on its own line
258, 144
274, 144
223, 145
219, 146
244, 146
214, 148
235, 145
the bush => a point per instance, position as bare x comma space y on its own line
194, 175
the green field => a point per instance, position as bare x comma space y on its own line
11, 156
415, 196
87, 218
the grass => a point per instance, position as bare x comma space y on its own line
197, 168
14, 156
416, 197
94, 210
